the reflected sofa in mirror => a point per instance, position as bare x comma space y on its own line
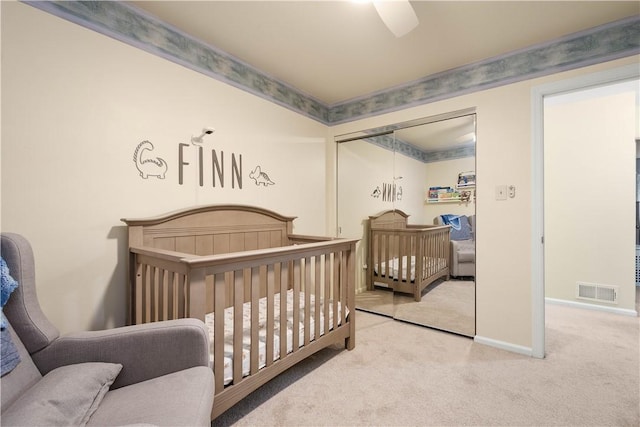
435, 152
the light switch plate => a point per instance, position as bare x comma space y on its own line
501, 192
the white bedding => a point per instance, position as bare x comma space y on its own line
430, 264
262, 333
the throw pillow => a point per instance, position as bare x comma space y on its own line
7, 285
9, 356
464, 231
68, 395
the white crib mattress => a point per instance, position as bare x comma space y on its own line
430, 264
262, 333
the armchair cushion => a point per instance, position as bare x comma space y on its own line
180, 344
68, 395
188, 402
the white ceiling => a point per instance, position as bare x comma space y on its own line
339, 50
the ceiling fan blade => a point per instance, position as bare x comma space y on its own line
398, 15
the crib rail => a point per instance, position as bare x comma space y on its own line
428, 245
168, 285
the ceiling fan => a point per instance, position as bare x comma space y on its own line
398, 15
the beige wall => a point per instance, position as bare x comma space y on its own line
589, 163
503, 157
75, 104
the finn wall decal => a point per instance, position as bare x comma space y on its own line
389, 192
157, 167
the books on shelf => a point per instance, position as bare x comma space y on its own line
448, 194
442, 193
466, 179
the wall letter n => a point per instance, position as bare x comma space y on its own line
181, 162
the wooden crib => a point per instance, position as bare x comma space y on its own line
242, 271
405, 257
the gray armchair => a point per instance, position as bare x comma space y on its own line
156, 373
463, 248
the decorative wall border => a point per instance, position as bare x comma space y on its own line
130, 25
599, 44
396, 145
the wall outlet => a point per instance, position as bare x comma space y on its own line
501, 192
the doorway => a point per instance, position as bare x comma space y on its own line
539, 176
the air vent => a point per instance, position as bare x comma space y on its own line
596, 292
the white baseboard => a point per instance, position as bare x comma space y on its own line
586, 306
514, 348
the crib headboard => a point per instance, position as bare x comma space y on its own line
389, 219
212, 230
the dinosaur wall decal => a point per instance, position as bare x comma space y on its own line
149, 166
260, 177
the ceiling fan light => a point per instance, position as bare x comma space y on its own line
398, 16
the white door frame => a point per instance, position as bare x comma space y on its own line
615, 75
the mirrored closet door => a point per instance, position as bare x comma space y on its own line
365, 180
397, 187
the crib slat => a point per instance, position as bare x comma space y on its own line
136, 296
159, 292
238, 301
343, 286
396, 251
297, 274
414, 249
171, 295
379, 253
420, 266
180, 296
404, 272
327, 289
255, 314
142, 318
220, 283
209, 293
350, 342
335, 295
273, 273
318, 297
385, 256
284, 285
307, 300
152, 294
433, 266
163, 285
146, 284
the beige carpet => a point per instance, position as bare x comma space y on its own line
405, 375
447, 305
